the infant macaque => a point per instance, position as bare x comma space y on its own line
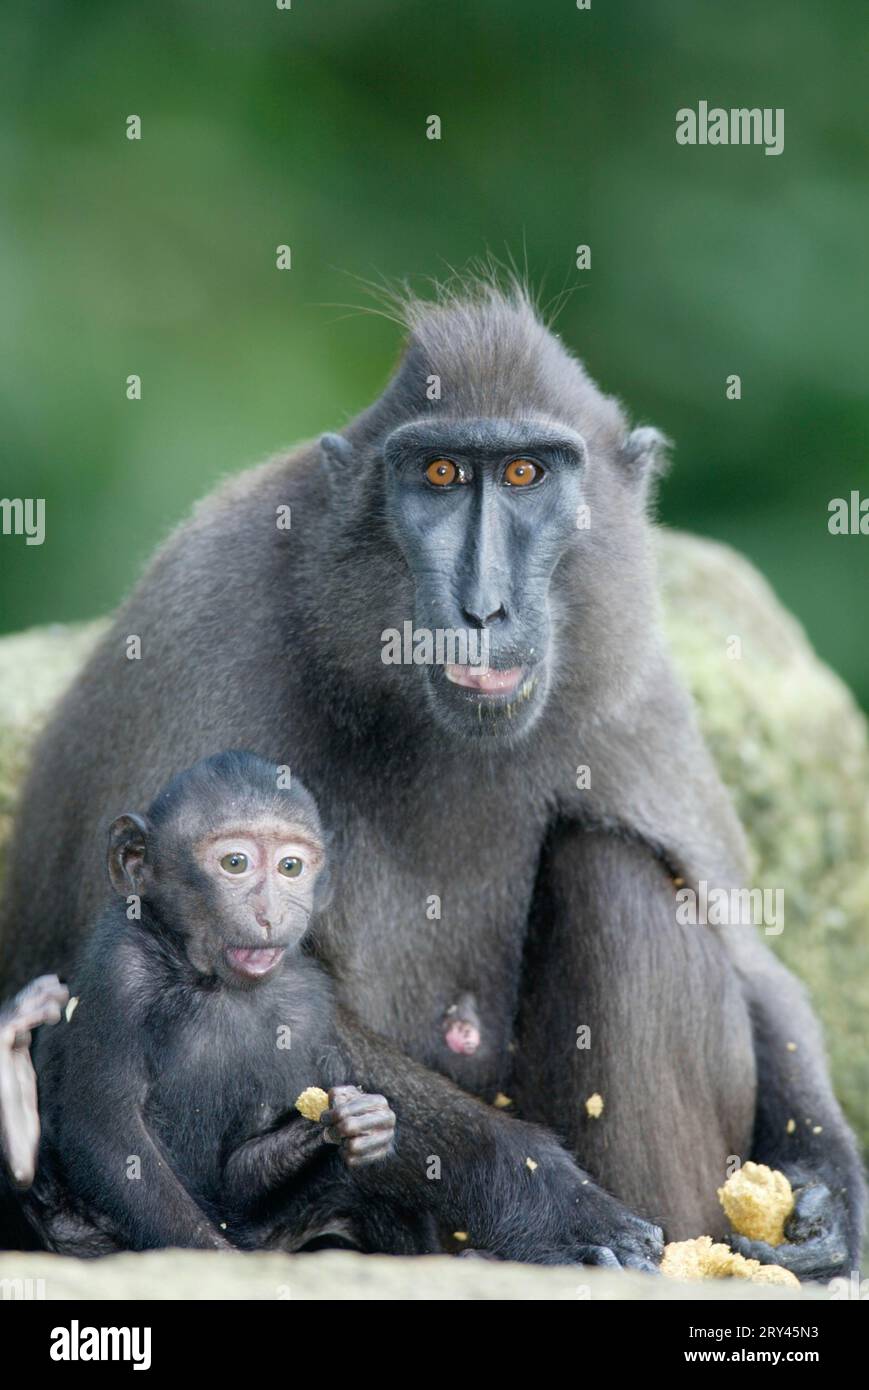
198, 1018
167, 1089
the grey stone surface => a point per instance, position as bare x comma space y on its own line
189, 1274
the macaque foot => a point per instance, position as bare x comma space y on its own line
363, 1125
615, 1237
42, 1001
817, 1236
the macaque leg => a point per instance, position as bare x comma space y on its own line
634, 1038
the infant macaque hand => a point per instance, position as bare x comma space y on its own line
39, 1003
363, 1125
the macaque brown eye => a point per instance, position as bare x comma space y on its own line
442, 472
290, 868
235, 863
521, 472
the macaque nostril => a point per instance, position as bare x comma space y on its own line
476, 620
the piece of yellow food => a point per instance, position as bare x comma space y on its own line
696, 1259
772, 1274
312, 1102
757, 1202
594, 1106
703, 1258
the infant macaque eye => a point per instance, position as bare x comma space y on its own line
290, 867
234, 863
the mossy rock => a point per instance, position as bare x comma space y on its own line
791, 745
788, 738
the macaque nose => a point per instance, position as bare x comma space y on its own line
266, 922
479, 620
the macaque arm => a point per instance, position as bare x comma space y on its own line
264, 1163
509, 1185
799, 1127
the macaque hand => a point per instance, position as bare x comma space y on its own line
816, 1236
39, 1002
363, 1125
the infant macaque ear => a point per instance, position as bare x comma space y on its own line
128, 844
645, 453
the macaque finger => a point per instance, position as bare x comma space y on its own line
380, 1114
813, 1205
356, 1102
597, 1255
40, 1002
48, 986
366, 1148
19, 1117
373, 1121
364, 1105
343, 1094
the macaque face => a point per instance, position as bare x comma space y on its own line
483, 511
260, 895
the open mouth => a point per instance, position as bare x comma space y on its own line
487, 700
487, 682
253, 961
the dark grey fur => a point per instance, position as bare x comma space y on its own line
269, 640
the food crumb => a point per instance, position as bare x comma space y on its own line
791, 1126
460, 1235
757, 1201
502, 1101
70, 1009
312, 1102
529, 1163
594, 1106
705, 1259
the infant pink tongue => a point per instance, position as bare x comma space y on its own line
252, 960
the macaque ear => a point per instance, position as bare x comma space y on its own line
645, 454
339, 457
337, 451
128, 842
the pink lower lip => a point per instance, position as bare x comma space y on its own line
489, 682
252, 961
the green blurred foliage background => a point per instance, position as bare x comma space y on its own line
307, 126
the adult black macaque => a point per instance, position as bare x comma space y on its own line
167, 1095
456, 500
